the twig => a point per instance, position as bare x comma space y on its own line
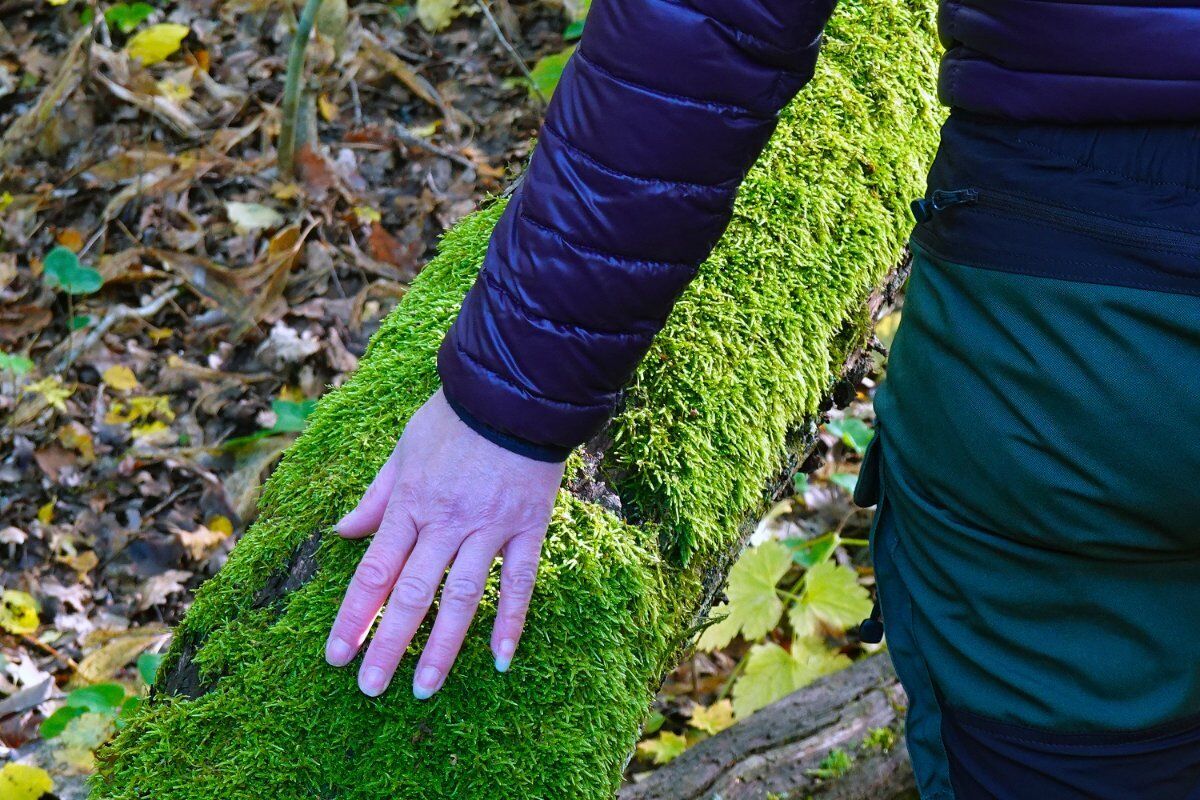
516, 57
40, 645
410, 138
116, 314
291, 89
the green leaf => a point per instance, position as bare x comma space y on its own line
809, 552
573, 31
291, 416
62, 270
846, 480
147, 666
853, 432
80, 321
102, 698
832, 600
548, 71
128, 708
800, 483
125, 17
772, 672
16, 364
56, 723
437, 14
754, 606
663, 748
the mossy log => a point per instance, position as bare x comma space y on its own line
781, 752
650, 516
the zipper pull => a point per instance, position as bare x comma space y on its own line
923, 209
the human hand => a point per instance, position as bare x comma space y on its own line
445, 495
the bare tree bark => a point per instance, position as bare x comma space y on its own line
778, 752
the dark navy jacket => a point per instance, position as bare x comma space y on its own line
660, 113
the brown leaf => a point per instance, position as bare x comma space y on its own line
316, 173
20, 321
384, 247
154, 591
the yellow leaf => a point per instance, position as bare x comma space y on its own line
58, 2
293, 394
772, 672
18, 612
78, 438
160, 334
138, 408
754, 605
220, 524
82, 563
329, 109
157, 42
663, 747
121, 378
6, 200
148, 430
252, 216
21, 781
714, 718
104, 663
78, 742
46, 513
436, 14
367, 214
200, 542
52, 390
174, 90
832, 600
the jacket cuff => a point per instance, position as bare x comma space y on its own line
537, 452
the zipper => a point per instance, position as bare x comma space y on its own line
1129, 233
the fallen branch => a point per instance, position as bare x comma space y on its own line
778, 752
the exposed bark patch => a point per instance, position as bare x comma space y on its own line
183, 677
300, 569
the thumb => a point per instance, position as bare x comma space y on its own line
366, 517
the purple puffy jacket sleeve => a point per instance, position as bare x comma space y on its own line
658, 116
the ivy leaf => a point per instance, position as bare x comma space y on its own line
547, 72
772, 672
832, 600
18, 612
56, 723
23, 782
712, 719
662, 748
103, 698
156, 43
291, 416
853, 432
125, 17
16, 364
62, 270
846, 480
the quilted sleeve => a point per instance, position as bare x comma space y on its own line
658, 116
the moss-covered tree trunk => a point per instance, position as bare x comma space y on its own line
246, 706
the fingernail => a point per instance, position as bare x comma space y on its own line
373, 682
504, 654
340, 526
427, 683
338, 652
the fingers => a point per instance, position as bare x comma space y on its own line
406, 608
366, 517
460, 599
373, 580
517, 577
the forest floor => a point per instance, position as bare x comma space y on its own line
171, 306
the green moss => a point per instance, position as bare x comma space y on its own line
746, 357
